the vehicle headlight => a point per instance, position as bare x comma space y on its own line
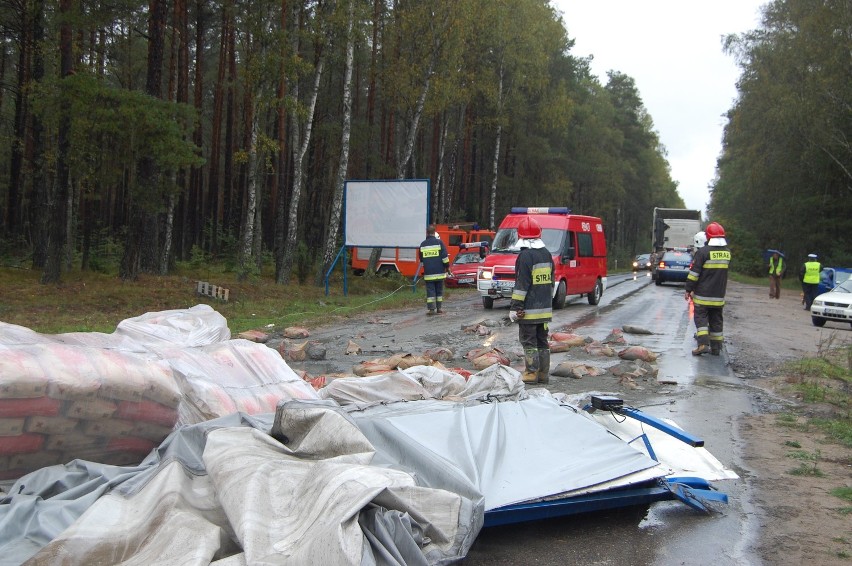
817, 303
485, 274
635, 264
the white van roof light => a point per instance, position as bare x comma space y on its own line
540, 210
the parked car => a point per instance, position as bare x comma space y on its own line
642, 262
835, 305
463, 269
673, 267
831, 277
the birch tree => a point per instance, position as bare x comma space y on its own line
333, 229
300, 148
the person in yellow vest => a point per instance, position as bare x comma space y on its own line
777, 267
810, 279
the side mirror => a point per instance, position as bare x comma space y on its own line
483, 251
568, 255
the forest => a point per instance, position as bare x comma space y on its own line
784, 178
140, 134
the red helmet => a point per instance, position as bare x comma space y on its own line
714, 230
529, 229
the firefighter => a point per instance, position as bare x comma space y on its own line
436, 265
810, 280
532, 301
705, 286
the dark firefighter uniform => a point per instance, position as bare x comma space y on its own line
436, 262
708, 281
533, 295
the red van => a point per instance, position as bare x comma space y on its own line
578, 246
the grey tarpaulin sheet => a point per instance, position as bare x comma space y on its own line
496, 449
322, 496
239, 495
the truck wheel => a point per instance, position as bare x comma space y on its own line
818, 321
595, 296
561, 295
488, 303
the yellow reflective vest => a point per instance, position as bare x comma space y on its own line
776, 269
812, 269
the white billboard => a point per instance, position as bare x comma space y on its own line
386, 213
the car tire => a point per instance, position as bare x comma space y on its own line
488, 303
595, 296
561, 295
657, 280
818, 321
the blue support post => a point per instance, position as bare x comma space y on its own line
331, 268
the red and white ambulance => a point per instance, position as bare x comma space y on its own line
576, 242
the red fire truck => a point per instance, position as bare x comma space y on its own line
404, 260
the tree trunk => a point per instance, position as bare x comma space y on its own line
280, 191
226, 196
343, 165
215, 178
247, 241
13, 219
493, 195
293, 216
59, 202
196, 209
141, 251
167, 235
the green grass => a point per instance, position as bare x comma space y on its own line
810, 470
96, 302
792, 444
843, 493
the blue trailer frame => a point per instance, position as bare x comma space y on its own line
696, 492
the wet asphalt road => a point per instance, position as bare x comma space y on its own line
706, 402
704, 398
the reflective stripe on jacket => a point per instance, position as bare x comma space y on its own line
433, 256
708, 276
533, 291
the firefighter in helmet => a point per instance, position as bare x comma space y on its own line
436, 264
705, 286
532, 300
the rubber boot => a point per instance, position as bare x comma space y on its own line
544, 366
530, 374
529, 377
701, 349
715, 348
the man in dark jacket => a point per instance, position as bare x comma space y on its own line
532, 300
706, 285
436, 264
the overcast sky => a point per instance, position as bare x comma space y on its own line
673, 50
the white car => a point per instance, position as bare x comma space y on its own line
835, 305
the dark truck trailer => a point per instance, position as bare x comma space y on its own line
674, 228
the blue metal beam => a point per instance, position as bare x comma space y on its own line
661, 425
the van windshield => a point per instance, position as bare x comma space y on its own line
506, 240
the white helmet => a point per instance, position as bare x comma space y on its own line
700, 240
